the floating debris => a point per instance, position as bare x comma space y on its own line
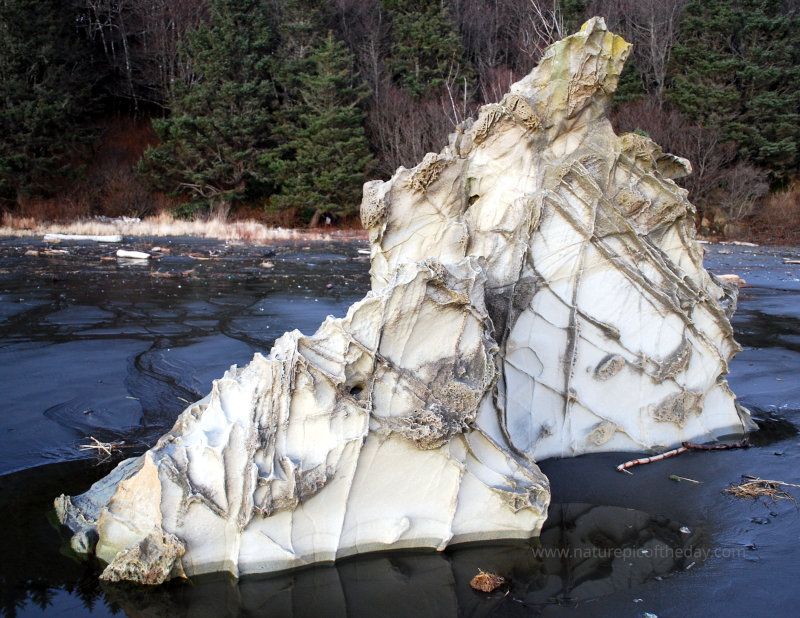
675, 477
646, 460
756, 488
133, 255
486, 582
171, 274
103, 450
686, 446
91, 237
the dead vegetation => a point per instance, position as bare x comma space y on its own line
756, 488
164, 224
486, 582
103, 450
777, 219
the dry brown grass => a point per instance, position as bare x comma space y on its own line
756, 488
164, 225
103, 450
776, 220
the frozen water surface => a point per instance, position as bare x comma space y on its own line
91, 346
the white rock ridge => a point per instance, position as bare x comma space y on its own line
536, 292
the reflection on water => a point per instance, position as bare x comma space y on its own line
584, 552
772, 428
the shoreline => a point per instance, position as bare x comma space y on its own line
164, 226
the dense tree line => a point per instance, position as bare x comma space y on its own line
290, 105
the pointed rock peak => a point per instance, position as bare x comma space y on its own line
576, 73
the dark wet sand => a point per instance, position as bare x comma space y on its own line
92, 347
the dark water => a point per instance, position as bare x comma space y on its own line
116, 349
113, 350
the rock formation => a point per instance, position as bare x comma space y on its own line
536, 292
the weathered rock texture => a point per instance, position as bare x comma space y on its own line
536, 292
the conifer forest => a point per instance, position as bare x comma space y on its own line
283, 108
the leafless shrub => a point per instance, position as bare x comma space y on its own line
652, 27
541, 26
110, 186
494, 82
719, 182
777, 218
506, 33
743, 186
140, 41
403, 130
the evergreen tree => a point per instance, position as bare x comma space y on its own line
737, 70
44, 95
630, 86
322, 152
573, 14
214, 141
426, 48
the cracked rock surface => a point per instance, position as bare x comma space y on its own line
536, 292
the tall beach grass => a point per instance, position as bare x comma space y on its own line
164, 225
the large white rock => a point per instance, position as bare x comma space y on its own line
536, 292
